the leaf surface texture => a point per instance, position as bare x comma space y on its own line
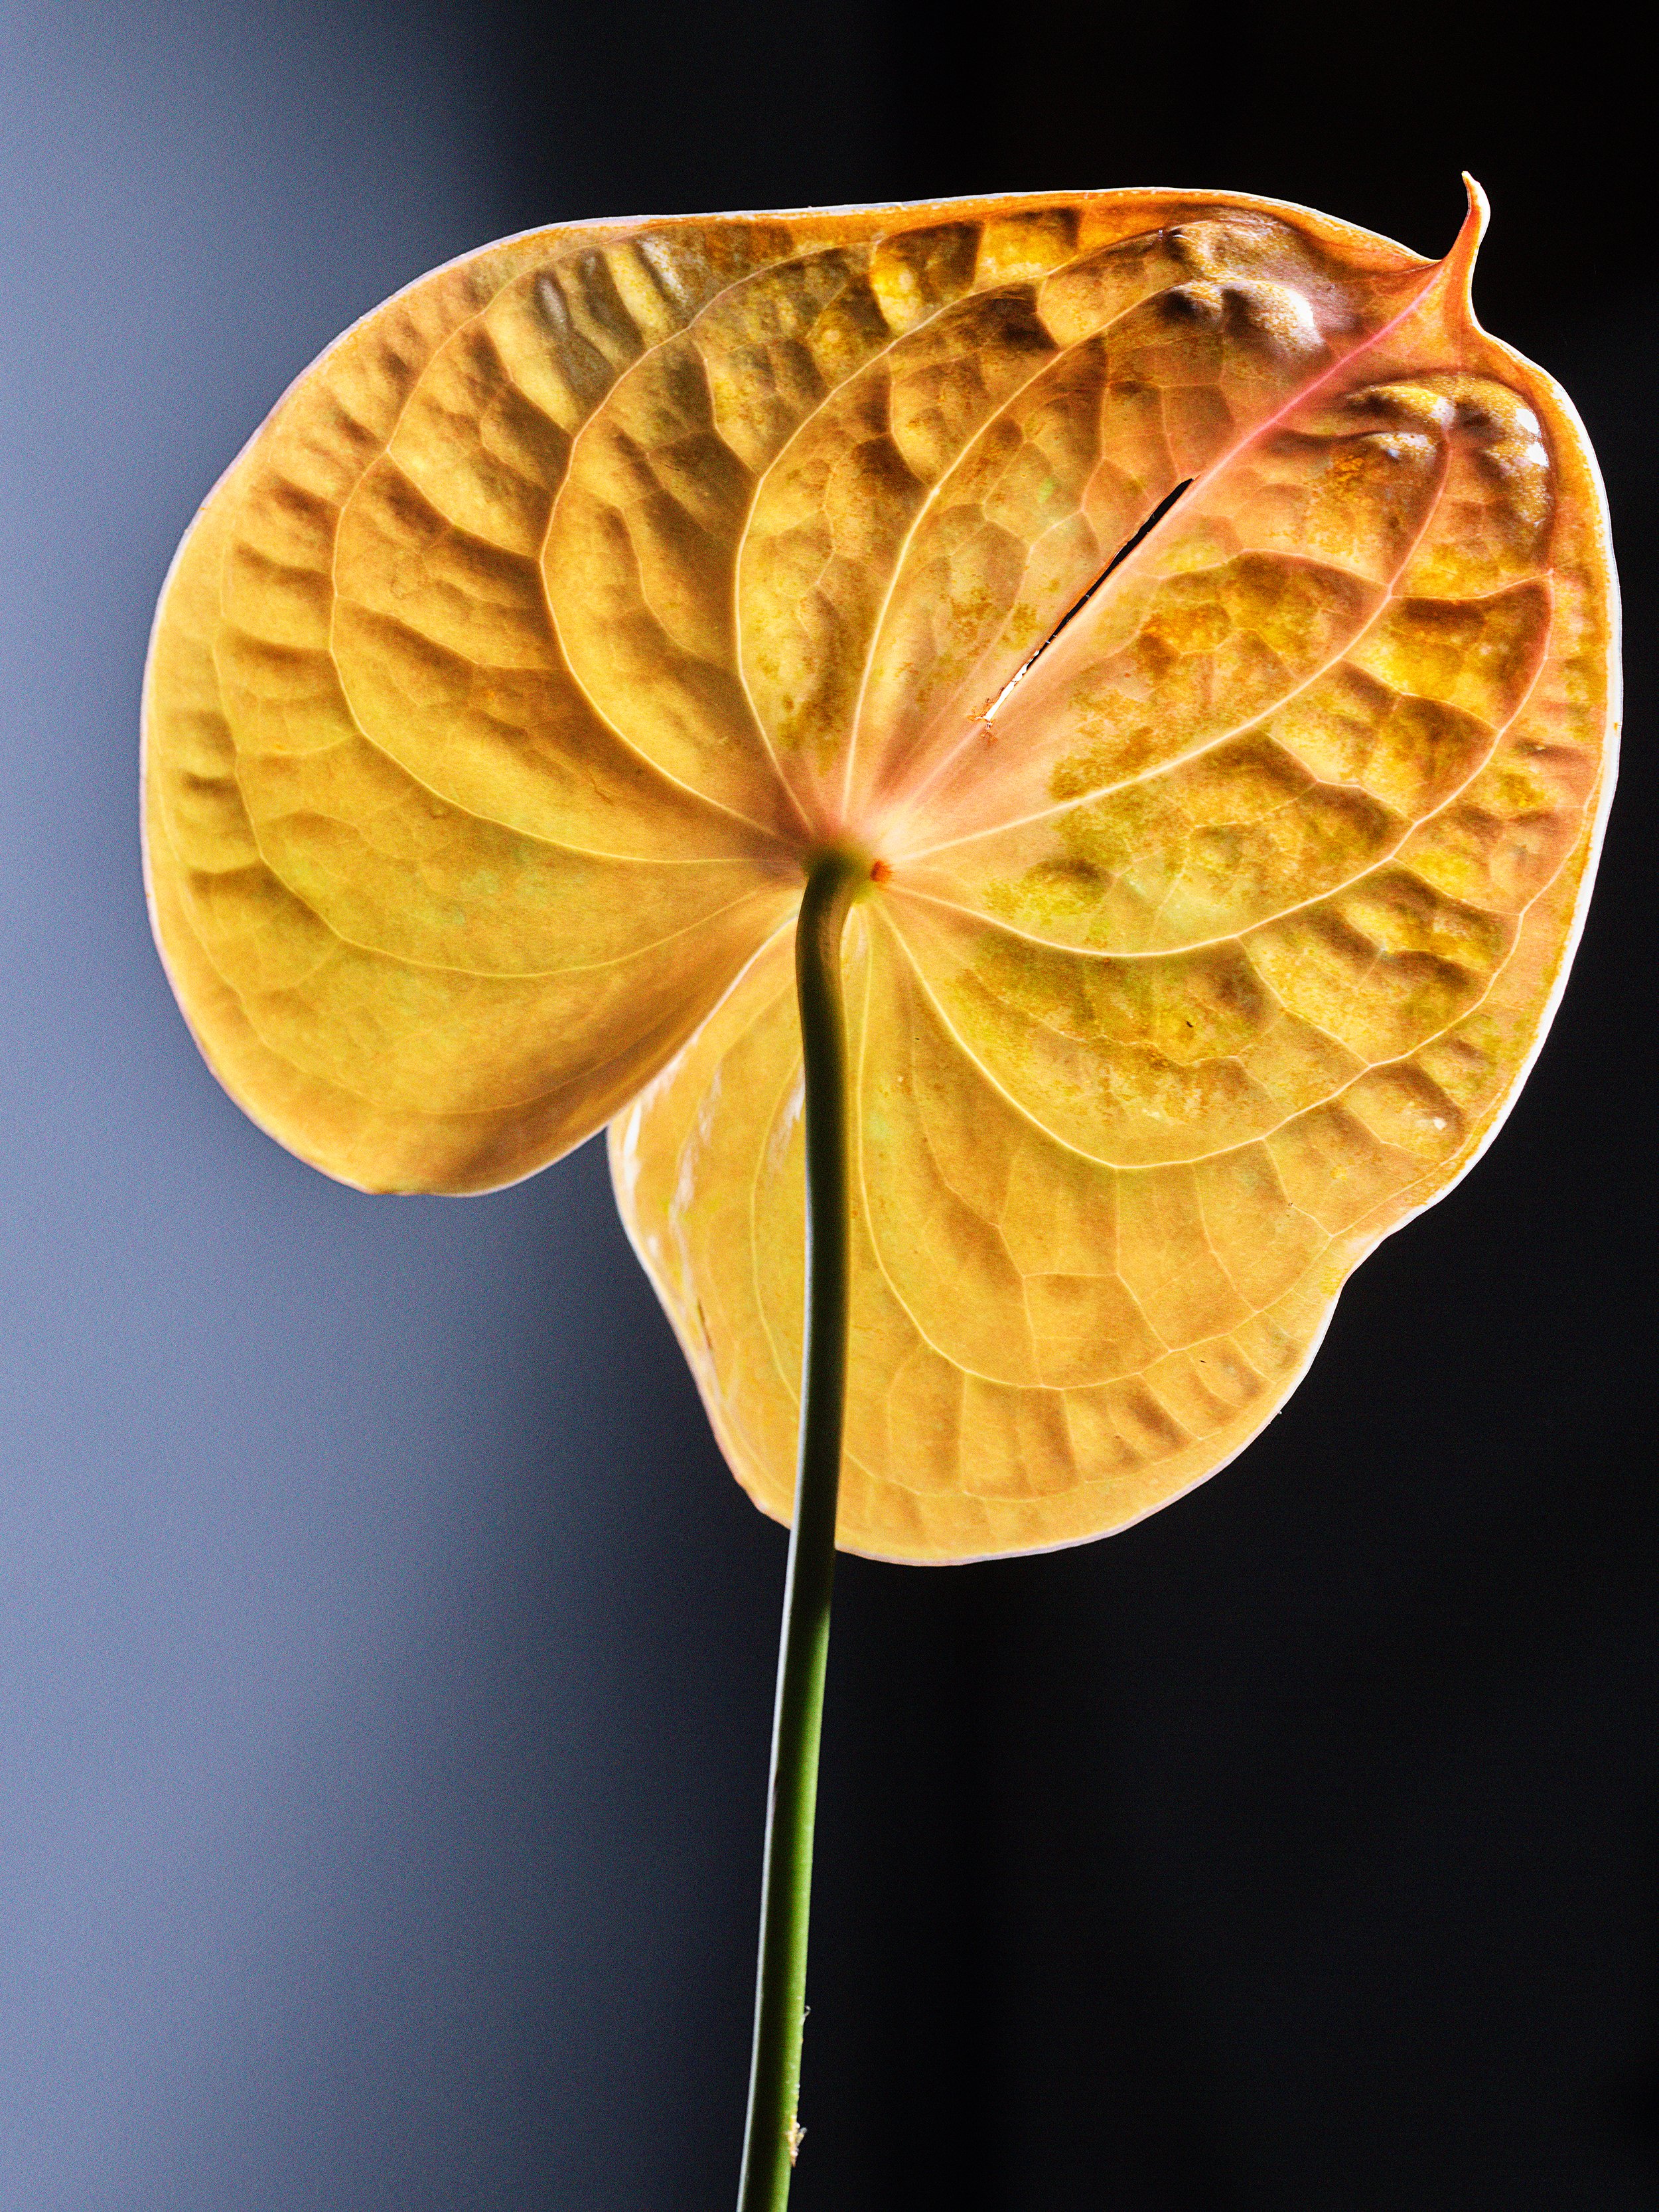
1227, 869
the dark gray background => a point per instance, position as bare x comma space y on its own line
385, 1655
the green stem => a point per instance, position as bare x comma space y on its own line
772, 2136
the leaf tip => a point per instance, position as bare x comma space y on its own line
1458, 267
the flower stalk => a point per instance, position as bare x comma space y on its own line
773, 2133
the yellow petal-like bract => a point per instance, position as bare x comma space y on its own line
503, 686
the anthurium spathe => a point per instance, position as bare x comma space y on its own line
1038, 760
504, 688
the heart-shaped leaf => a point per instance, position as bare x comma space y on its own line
578, 596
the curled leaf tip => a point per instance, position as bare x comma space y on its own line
1458, 267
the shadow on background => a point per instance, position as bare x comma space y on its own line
387, 1655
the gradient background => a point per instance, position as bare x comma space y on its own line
385, 1654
